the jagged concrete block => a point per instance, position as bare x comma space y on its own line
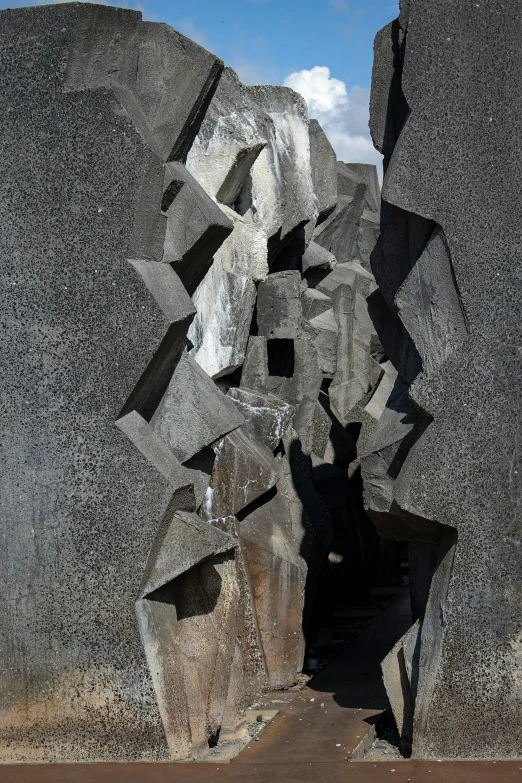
348, 285
226, 298
243, 470
289, 148
429, 307
245, 252
163, 79
193, 412
279, 306
317, 263
397, 676
311, 523
191, 570
314, 303
277, 576
321, 431
220, 334
196, 226
325, 331
383, 389
396, 341
251, 676
90, 339
259, 138
232, 135
434, 268
351, 230
397, 430
324, 176
266, 415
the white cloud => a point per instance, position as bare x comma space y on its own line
342, 114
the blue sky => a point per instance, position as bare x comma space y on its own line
291, 42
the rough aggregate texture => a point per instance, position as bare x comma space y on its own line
445, 108
165, 535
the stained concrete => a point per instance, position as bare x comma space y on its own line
456, 67
165, 534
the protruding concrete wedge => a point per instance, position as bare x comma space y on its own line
231, 186
325, 332
184, 542
196, 226
163, 79
317, 263
324, 175
234, 133
266, 415
429, 306
348, 285
400, 673
351, 230
243, 471
258, 133
314, 303
377, 403
190, 615
219, 335
193, 412
225, 299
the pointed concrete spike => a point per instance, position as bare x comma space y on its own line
185, 542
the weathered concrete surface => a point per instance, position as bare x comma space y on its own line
279, 306
323, 160
267, 416
268, 127
81, 503
352, 228
447, 266
165, 535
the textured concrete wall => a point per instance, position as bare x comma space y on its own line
167, 502
443, 466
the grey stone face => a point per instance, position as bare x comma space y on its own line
314, 303
161, 531
192, 567
323, 161
266, 415
279, 306
243, 471
325, 329
225, 304
352, 228
196, 226
89, 337
352, 377
193, 412
450, 234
